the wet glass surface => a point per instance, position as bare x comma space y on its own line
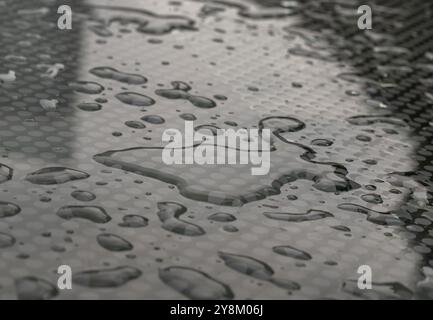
82, 182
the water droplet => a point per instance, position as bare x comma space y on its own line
230, 228
6, 240
169, 213
379, 290
89, 106
256, 269
188, 117
363, 138
86, 87
180, 91
91, 213
32, 288
135, 99
310, 215
322, 142
222, 217
153, 119
369, 120
8, 209
48, 105
113, 74
341, 228
106, 278
292, 252
134, 221
81, 195
220, 97
55, 175
195, 284
135, 124
372, 198
380, 218
113, 242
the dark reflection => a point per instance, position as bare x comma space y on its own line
393, 63
37, 105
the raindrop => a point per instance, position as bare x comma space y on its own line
256, 269
6, 240
8, 209
372, 198
55, 175
169, 213
135, 124
292, 252
91, 213
113, 74
188, 117
195, 284
379, 291
310, 215
153, 119
321, 142
134, 221
81, 195
135, 99
89, 106
222, 217
106, 278
86, 87
113, 242
32, 288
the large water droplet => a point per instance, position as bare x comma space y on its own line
255, 268
8, 209
310, 215
169, 213
222, 217
153, 119
6, 240
89, 106
134, 221
55, 175
195, 284
135, 99
372, 198
381, 218
188, 117
86, 87
369, 120
322, 142
379, 290
180, 91
113, 74
135, 124
113, 242
292, 252
32, 288
106, 278
82, 195
91, 213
